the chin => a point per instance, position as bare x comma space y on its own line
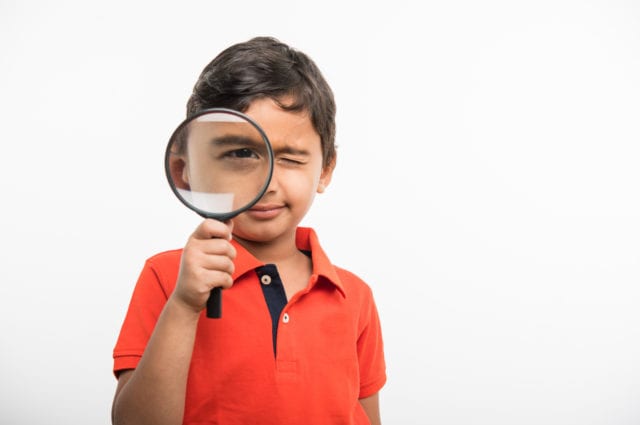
259, 234
262, 232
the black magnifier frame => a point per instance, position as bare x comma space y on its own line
208, 214
214, 303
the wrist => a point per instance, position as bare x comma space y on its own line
182, 310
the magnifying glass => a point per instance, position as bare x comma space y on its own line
219, 163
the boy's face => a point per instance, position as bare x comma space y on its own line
297, 174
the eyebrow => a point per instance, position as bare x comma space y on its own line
234, 140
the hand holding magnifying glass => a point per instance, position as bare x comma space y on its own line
218, 163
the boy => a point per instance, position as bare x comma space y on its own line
299, 341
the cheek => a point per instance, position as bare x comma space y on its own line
301, 184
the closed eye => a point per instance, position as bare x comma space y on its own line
292, 161
291, 156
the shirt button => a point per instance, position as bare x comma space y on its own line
265, 279
285, 318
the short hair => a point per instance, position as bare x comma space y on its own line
264, 67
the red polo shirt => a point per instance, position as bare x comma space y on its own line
329, 350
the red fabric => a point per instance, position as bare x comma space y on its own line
329, 353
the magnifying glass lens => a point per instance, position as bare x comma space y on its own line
219, 163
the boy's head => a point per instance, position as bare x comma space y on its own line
263, 67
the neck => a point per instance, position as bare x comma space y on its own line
276, 251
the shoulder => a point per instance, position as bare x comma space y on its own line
307, 239
347, 276
163, 267
165, 258
352, 284
358, 295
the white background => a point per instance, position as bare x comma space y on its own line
487, 189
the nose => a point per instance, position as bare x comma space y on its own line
274, 182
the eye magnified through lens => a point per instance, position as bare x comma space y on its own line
218, 163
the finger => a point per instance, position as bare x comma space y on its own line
220, 279
213, 278
210, 229
222, 263
195, 258
213, 247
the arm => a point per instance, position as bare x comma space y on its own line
155, 390
371, 407
154, 393
372, 364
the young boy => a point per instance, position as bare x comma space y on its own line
300, 340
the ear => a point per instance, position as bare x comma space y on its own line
179, 172
325, 176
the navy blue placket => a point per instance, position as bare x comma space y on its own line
274, 295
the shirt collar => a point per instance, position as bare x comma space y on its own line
306, 240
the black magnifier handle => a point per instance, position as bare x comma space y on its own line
214, 303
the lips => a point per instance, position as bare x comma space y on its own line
265, 211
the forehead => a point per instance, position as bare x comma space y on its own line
291, 128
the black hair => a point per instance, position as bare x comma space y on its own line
265, 67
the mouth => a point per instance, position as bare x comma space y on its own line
265, 211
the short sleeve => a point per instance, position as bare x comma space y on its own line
149, 298
371, 351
